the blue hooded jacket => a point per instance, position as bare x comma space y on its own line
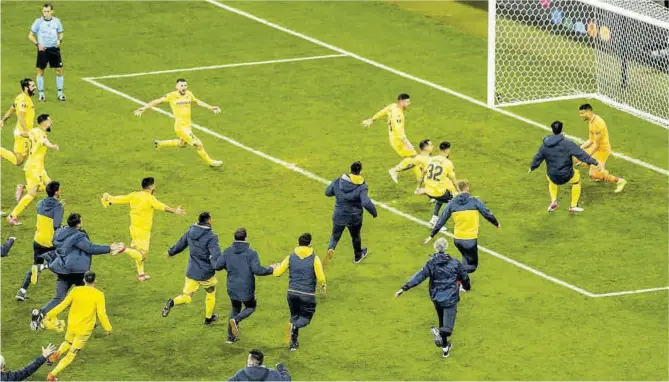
242, 264
261, 373
73, 251
444, 272
204, 249
351, 194
558, 151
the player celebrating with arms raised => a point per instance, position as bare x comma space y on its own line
180, 101
142, 203
598, 147
394, 114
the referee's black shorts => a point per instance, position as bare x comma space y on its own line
49, 56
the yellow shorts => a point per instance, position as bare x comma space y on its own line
193, 285
601, 157
21, 146
77, 340
401, 149
141, 239
574, 179
37, 179
187, 136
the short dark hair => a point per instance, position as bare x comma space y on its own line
89, 277
42, 117
48, 5
52, 188
585, 106
25, 83
240, 234
305, 239
356, 167
204, 218
556, 127
445, 145
423, 143
402, 97
148, 182
181, 80
73, 220
257, 356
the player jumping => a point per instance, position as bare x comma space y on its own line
180, 101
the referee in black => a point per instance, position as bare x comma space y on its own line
46, 33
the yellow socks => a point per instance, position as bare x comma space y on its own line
64, 347
23, 203
168, 143
209, 304
34, 272
203, 154
138, 258
182, 299
65, 362
553, 190
575, 194
10, 156
418, 173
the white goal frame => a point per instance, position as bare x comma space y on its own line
493, 100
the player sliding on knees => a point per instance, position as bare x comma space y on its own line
180, 101
394, 114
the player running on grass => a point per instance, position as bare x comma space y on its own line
142, 203
180, 101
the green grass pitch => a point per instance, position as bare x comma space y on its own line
515, 325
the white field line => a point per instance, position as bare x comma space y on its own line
219, 66
420, 80
317, 178
612, 294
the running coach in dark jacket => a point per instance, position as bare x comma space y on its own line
350, 190
558, 152
256, 371
20, 375
203, 248
465, 210
445, 273
73, 258
49, 219
242, 264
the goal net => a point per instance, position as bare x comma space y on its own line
616, 51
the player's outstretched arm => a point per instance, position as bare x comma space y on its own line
278, 271
150, 105
382, 113
415, 280
108, 199
215, 109
179, 246
50, 145
178, 211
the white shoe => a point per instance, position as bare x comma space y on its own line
393, 175
621, 185
216, 163
573, 210
553, 206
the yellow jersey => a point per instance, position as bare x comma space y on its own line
395, 118
142, 204
35, 161
181, 106
437, 177
598, 133
421, 161
24, 104
87, 303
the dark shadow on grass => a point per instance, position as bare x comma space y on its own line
481, 4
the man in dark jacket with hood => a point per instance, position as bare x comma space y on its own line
350, 190
203, 244
49, 219
73, 258
256, 371
445, 273
558, 152
242, 264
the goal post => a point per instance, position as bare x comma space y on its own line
616, 51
